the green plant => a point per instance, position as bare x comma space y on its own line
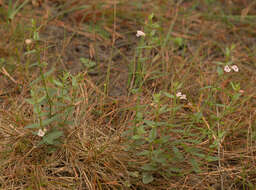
165, 141
225, 66
53, 98
88, 64
53, 102
13, 9
140, 65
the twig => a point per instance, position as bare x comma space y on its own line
8, 75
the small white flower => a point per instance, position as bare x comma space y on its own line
235, 68
227, 69
140, 33
179, 94
28, 41
183, 97
41, 132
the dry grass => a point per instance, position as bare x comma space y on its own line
93, 153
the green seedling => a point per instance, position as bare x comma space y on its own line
89, 64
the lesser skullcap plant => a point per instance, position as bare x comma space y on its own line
53, 98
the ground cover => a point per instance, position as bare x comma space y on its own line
127, 94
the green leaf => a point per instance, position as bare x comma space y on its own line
136, 137
150, 17
52, 136
200, 155
141, 130
52, 119
150, 123
138, 142
157, 152
227, 53
58, 83
152, 134
177, 153
31, 52
219, 63
212, 158
168, 95
220, 71
163, 109
173, 169
60, 105
161, 158
74, 82
161, 123
2, 60
36, 35
52, 92
44, 75
195, 165
178, 41
38, 101
144, 153
13, 10
162, 140
87, 63
139, 116
156, 97
134, 174
147, 177
149, 167
30, 101
33, 126
42, 114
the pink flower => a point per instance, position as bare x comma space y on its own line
235, 68
227, 69
181, 96
140, 33
28, 41
41, 132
